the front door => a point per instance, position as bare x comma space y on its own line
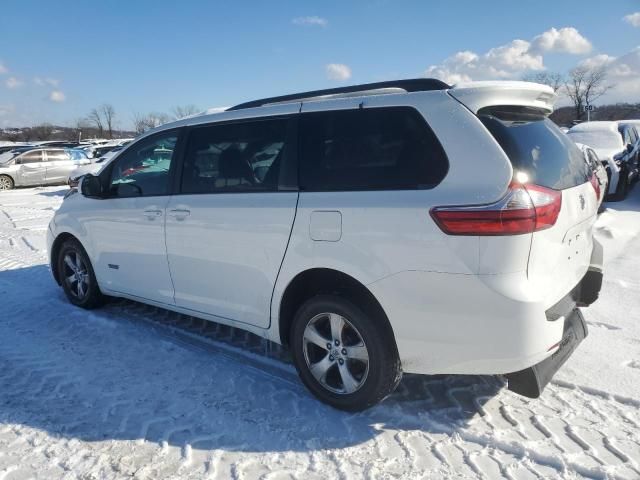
32, 168
228, 229
127, 229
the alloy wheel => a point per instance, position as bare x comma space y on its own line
76, 275
335, 353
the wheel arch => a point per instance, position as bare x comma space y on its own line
322, 281
55, 251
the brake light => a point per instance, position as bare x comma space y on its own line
524, 209
596, 185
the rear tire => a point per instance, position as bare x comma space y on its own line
6, 182
77, 277
344, 357
623, 185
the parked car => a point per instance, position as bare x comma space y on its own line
357, 226
30, 166
600, 171
94, 167
609, 144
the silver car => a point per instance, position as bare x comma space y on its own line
38, 166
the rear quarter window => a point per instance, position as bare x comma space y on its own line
537, 147
369, 149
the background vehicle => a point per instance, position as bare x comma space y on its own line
348, 224
599, 169
38, 166
607, 141
94, 167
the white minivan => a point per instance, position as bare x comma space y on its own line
404, 226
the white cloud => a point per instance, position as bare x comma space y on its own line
310, 21
338, 71
633, 19
565, 40
622, 72
3, 69
57, 96
511, 60
6, 110
41, 82
13, 82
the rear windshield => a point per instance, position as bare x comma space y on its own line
537, 147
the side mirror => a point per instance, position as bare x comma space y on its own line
90, 186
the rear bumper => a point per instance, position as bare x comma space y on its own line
531, 381
478, 324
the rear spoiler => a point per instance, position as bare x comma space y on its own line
478, 95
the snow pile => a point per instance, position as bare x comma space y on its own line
114, 393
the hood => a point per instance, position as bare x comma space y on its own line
605, 153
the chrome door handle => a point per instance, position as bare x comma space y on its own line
151, 214
179, 213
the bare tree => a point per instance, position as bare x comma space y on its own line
144, 122
42, 132
554, 79
108, 113
181, 111
95, 119
585, 85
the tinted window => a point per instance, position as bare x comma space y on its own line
538, 148
143, 170
369, 149
234, 157
57, 155
31, 157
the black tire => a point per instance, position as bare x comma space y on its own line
6, 182
622, 189
91, 296
384, 371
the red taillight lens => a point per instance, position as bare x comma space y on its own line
596, 185
524, 209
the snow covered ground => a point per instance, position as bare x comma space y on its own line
118, 392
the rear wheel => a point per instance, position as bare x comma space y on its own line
77, 277
6, 182
342, 355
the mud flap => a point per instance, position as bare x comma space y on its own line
531, 381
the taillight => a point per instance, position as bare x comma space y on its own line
524, 209
596, 185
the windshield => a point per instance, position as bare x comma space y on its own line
598, 139
7, 156
538, 148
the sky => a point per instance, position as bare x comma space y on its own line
58, 60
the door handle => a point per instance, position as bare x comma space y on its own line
151, 214
179, 213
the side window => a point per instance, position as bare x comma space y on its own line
57, 155
369, 149
234, 157
143, 170
34, 156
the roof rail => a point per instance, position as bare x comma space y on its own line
408, 85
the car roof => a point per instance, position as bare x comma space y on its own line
541, 96
597, 126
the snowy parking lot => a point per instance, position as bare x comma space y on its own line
116, 393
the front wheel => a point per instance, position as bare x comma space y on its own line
345, 357
6, 182
77, 277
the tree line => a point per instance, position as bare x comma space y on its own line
100, 122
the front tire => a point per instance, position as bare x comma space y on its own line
346, 358
6, 182
77, 277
